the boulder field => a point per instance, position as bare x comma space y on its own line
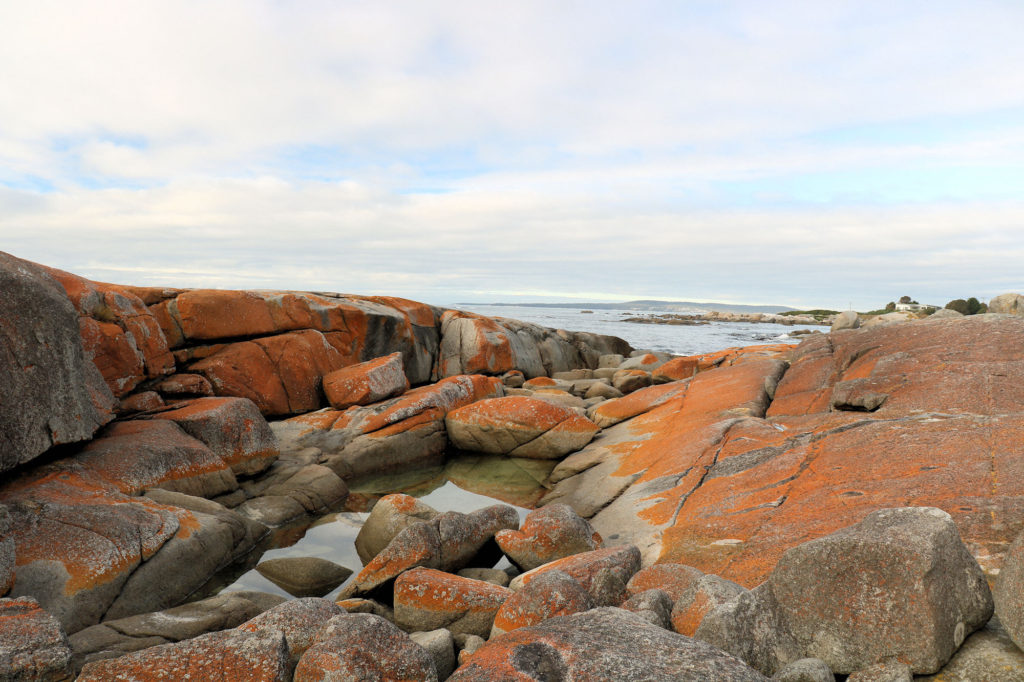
842, 507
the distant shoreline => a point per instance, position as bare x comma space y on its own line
693, 307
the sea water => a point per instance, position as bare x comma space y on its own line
675, 339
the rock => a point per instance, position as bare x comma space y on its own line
673, 579
427, 599
704, 595
1007, 304
643, 400
889, 318
513, 379
448, 542
677, 369
140, 402
648, 362
805, 670
232, 428
586, 568
135, 455
540, 382
7, 555
552, 594
888, 671
360, 646
49, 393
390, 515
230, 654
601, 644
282, 374
304, 576
300, 620
573, 374
848, 319
366, 382
654, 606
395, 435
989, 655
1008, 594
518, 427
317, 488
124, 635
32, 644
185, 385
495, 576
629, 380
271, 510
909, 561
468, 645
441, 647
547, 534
561, 398
600, 389
610, 360
945, 314
357, 605
245, 532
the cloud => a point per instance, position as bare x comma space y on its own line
797, 152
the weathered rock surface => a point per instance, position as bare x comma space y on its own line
594, 571
447, 542
6, 552
654, 606
232, 428
612, 412
441, 647
547, 534
50, 393
366, 382
299, 620
908, 561
518, 427
805, 670
1009, 591
427, 599
388, 436
601, 644
227, 655
549, 595
754, 458
848, 319
121, 636
674, 579
390, 516
1007, 304
32, 644
989, 655
360, 646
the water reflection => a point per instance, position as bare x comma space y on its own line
464, 483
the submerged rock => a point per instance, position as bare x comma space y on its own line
304, 576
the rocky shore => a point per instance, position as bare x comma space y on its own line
718, 316
847, 507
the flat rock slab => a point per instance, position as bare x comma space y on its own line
519, 427
228, 655
601, 644
366, 382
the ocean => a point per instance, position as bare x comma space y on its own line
675, 339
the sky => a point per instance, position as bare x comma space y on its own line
813, 153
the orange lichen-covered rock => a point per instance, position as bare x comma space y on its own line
673, 579
390, 516
282, 374
366, 382
388, 436
185, 385
547, 534
119, 332
677, 369
611, 412
629, 380
427, 599
542, 382
232, 428
519, 427
588, 568
550, 595
135, 455
473, 344
362, 646
704, 595
32, 644
226, 655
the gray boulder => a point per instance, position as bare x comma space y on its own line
945, 314
299, 620
601, 644
6, 553
441, 647
907, 561
1009, 591
886, 671
1007, 304
304, 576
805, 670
50, 393
360, 646
989, 655
848, 319
654, 606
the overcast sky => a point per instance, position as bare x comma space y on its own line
812, 153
